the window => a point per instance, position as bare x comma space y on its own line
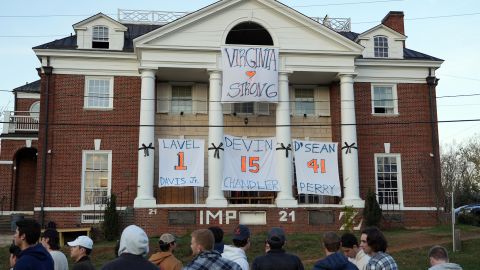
243, 108
100, 37
380, 46
97, 169
181, 99
35, 110
304, 102
98, 93
388, 178
384, 99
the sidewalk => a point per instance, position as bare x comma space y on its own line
6, 239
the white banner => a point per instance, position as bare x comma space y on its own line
316, 166
181, 162
249, 164
250, 74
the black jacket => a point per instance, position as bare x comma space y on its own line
34, 258
128, 261
335, 261
83, 264
277, 259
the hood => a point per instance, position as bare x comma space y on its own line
159, 257
335, 261
446, 266
219, 247
133, 241
37, 251
233, 253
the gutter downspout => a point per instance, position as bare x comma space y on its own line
432, 82
47, 70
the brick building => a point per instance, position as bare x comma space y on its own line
118, 84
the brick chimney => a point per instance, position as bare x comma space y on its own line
394, 20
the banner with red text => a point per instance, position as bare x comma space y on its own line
249, 164
181, 162
250, 74
316, 167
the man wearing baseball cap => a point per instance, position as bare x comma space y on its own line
165, 259
80, 248
241, 243
276, 257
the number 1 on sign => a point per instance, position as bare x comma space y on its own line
181, 166
314, 165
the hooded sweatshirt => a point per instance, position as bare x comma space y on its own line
166, 261
34, 258
237, 255
446, 266
132, 251
335, 261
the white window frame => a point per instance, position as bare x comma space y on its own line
383, 50
102, 37
171, 111
86, 93
84, 166
394, 97
32, 113
399, 177
295, 112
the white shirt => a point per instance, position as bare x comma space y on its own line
59, 260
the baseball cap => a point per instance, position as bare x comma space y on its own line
241, 232
276, 235
167, 238
83, 241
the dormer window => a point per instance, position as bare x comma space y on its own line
100, 37
380, 46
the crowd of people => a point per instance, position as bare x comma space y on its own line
33, 249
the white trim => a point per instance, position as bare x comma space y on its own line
75, 208
6, 162
8, 213
394, 97
110, 94
413, 208
84, 153
22, 95
399, 179
18, 138
382, 62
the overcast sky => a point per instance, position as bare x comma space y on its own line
445, 29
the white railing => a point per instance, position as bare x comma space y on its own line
22, 121
336, 24
148, 16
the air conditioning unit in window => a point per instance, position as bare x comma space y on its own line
92, 218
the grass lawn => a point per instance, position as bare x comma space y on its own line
408, 247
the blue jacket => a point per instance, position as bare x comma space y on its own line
335, 261
34, 258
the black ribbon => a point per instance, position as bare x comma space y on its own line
145, 149
217, 150
288, 148
349, 147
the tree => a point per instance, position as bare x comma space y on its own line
372, 214
110, 219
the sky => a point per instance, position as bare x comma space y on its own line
442, 28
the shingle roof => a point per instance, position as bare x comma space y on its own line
33, 87
414, 55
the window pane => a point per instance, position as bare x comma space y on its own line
98, 93
100, 33
383, 99
387, 181
181, 99
304, 102
243, 107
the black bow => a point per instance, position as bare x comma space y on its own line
145, 149
288, 148
349, 147
217, 150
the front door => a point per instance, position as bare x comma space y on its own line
25, 178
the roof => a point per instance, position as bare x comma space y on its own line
33, 87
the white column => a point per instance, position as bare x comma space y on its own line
351, 195
215, 135
284, 163
146, 136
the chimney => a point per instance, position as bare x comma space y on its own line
394, 20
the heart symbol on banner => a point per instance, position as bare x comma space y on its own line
250, 74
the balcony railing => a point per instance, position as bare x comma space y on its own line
20, 121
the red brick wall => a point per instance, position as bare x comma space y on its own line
394, 20
73, 129
23, 104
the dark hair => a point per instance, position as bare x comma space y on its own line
217, 233
30, 228
53, 240
14, 250
375, 239
240, 243
204, 238
165, 246
87, 250
275, 245
349, 240
331, 241
116, 248
438, 253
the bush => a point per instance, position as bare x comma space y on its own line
372, 214
348, 219
110, 219
469, 219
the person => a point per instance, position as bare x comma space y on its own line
218, 234
33, 254
373, 243
49, 240
80, 249
205, 257
241, 243
438, 257
276, 258
165, 259
14, 252
352, 250
132, 251
334, 259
